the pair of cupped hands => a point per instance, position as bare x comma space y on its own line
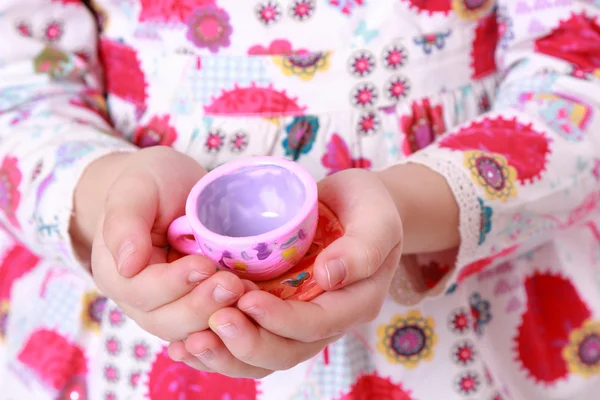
215, 321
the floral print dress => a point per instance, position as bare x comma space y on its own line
501, 97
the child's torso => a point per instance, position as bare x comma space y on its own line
208, 76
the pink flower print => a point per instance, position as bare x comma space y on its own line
141, 351
54, 31
37, 170
368, 124
276, 47
394, 56
17, 262
239, 142
254, 100
4, 310
169, 10
110, 396
596, 169
364, 95
10, 197
301, 10
111, 373
361, 63
116, 317
21, 115
53, 358
123, 73
209, 27
373, 386
76, 388
214, 141
268, 12
158, 132
171, 380
24, 29
113, 346
134, 378
337, 156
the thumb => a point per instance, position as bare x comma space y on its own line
372, 229
142, 203
131, 208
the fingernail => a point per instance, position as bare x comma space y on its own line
222, 295
206, 355
336, 272
126, 249
255, 312
228, 330
196, 277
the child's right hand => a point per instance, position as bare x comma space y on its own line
144, 192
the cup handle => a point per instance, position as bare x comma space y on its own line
181, 237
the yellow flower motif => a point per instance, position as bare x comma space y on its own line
582, 354
273, 120
240, 266
492, 172
4, 307
407, 340
290, 254
471, 9
91, 310
305, 65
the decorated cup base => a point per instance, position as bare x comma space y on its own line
298, 283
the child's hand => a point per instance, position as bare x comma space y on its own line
129, 259
359, 266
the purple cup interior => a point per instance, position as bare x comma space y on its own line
251, 201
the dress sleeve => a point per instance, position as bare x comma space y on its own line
53, 119
530, 167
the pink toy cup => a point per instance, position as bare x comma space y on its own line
255, 217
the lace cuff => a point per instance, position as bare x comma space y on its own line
467, 198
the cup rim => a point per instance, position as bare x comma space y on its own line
307, 180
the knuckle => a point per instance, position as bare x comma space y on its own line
373, 256
198, 307
112, 224
371, 314
138, 302
279, 326
260, 374
321, 331
249, 355
149, 323
372, 311
289, 362
106, 289
157, 329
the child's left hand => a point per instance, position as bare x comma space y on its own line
356, 271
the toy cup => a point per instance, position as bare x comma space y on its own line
255, 217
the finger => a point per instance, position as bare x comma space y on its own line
177, 320
249, 285
131, 209
178, 353
326, 316
173, 255
156, 285
256, 346
367, 242
208, 349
